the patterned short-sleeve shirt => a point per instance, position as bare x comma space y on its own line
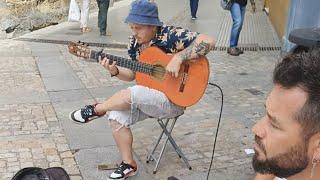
168, 38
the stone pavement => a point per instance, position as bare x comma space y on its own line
41, 83
30, 133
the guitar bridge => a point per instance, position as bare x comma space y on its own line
184, 78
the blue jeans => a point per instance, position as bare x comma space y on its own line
194, 7
103, 6
237, 14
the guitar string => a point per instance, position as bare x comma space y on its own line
135, 66
146, 68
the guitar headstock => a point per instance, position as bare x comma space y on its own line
79, 49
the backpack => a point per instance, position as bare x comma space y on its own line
35, 173
226, 4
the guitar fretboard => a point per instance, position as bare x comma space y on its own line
135, 66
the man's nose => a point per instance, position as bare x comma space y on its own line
258, 129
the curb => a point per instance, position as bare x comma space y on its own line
94, 44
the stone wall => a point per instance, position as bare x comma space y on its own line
23, 16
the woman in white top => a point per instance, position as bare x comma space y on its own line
84, 16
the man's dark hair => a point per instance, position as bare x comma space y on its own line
303, 70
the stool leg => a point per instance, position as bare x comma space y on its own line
150, 156
168, 134
173, 143
161, 152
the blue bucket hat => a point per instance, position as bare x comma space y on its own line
144, 12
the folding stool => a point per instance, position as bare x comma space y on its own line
164, 124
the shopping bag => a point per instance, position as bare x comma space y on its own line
74, 11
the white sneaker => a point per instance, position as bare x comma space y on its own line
125, 170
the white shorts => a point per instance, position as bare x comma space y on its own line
145, 103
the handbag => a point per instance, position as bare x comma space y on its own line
226, 4
36, 173
74, 11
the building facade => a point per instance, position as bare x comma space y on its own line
287, 15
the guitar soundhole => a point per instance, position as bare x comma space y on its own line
158, 72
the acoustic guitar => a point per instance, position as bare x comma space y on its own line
185, 90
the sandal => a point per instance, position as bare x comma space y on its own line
85, 29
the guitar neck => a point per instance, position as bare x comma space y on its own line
135, 66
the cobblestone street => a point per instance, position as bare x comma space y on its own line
30, 133
42, 82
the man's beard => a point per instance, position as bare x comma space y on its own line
282, 165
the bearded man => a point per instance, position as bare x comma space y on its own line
287, 138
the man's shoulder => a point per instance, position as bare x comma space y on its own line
171, 29
176, 32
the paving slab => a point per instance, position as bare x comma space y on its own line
94, 134
41, 83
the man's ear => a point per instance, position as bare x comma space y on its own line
316, 148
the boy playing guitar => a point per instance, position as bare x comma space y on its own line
137, 103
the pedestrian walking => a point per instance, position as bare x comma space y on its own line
103, 6
238, 9
194, 8
84, 17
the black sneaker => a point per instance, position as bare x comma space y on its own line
124, 170
240, 51
233, 52
85, 114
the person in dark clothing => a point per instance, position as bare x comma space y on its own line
194, 8
238, 9
103, 6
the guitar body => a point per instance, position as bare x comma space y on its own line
185, 90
